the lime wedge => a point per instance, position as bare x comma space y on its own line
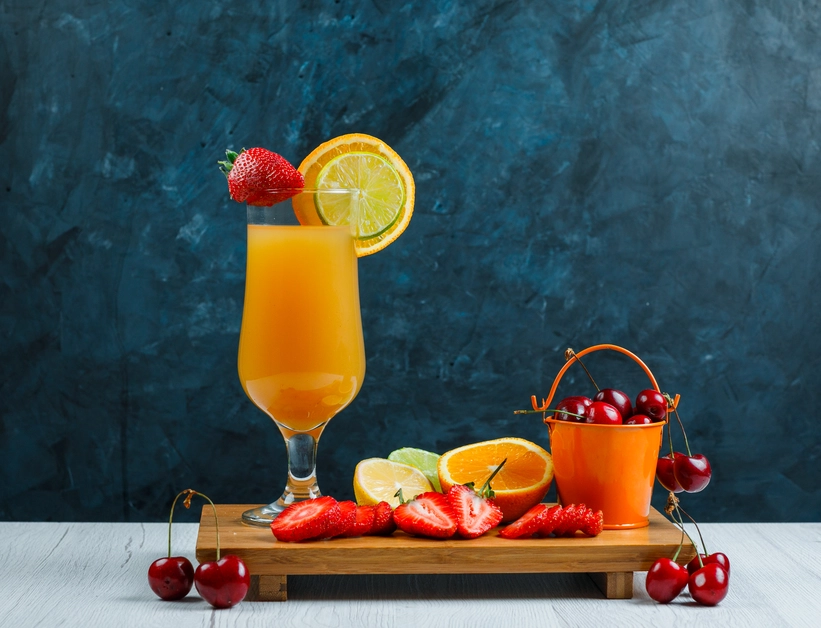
423, 460
382, 193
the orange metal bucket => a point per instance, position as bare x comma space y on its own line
610, 468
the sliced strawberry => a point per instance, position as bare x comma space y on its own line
475, 515
347, 517
429, 514
383, 524
259, 177
362, 524
569, 522
552, 518
526, 525
593, 522
305, 520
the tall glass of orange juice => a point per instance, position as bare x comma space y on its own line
301, 352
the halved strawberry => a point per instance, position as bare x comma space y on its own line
429, 514
347, 517
259, 177
383, 524
552, 519
475, 515
362, 524
526, 525
305, 520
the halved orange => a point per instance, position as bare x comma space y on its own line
359, 162
522, 482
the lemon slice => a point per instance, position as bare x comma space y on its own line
365, 163
425, 461
377, 480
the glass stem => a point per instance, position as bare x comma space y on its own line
301, 468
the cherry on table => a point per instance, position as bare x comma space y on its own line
716, 557
652, 403
617, 399
171, 578
603, 413
693, 473
223, 583
665, 580
576, 406
709, 585
665, 473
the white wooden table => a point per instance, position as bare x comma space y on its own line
94, 574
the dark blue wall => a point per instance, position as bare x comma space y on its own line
641, 173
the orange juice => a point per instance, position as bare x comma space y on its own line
301, 352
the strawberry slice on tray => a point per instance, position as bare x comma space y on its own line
306, 520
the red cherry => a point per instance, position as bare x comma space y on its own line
171, 578
716, 557
223, 583
603, 414
575, 405
617, 399
665, 580
665, 473
693, 473
652, 403
639, 419
709, 584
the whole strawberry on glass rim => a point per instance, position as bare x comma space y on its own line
260, 177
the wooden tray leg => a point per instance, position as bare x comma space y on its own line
617, 585
268, 589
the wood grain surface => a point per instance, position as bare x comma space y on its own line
94, 574
615, 551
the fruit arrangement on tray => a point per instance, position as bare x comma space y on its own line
472, 489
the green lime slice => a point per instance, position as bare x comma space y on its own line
423, 460
382, 193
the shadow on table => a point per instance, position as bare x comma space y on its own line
443, 587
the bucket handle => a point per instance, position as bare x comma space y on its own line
571, 357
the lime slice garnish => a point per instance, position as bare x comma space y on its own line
423, 460
381, 197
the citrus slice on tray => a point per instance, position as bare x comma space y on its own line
377, 480
521, 483
425, 461
365, 163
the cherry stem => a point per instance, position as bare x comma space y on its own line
189, 493
572, 354
171, 519
680, 546
546, 410
703, 545
680, 423
680, 523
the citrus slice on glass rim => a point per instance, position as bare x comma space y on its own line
359, 162
521, 483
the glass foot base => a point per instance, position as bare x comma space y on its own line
264, 515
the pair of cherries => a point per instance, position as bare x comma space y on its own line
613, 407
222, 583
679, 472
707, 577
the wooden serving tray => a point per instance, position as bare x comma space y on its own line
610, 558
